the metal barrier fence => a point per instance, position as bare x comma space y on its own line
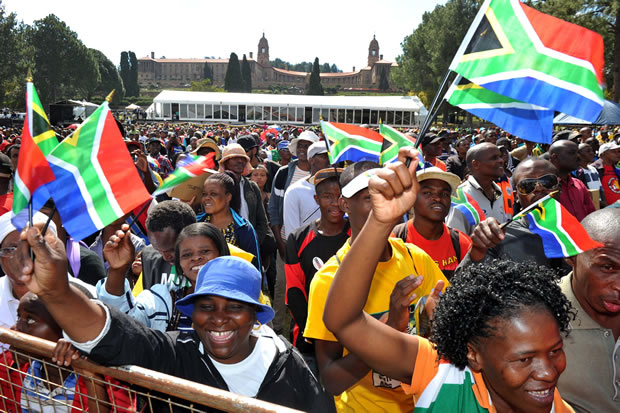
29, 381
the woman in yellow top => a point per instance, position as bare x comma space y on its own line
496, 344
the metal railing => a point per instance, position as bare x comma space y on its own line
102, 389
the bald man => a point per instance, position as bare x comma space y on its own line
585, 134
574, 195
485, 164
591, 381
533, 179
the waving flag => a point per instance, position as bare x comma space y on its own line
193, 167
524, 120
519, 52
351, 142
561, 233
468, 206
96, 179
393, 140
33, 170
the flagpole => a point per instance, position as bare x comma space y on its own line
429, 118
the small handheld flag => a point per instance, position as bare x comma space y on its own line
96, 179
195, 166
561, 233
351, 142
468, 206
33, 170
393, 140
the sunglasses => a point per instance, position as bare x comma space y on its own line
528, 185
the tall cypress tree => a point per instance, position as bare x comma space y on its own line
314, 86
384, 83
246, 75
124, 72
207, 73
133, 75
233, 81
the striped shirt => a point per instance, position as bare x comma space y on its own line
443, 387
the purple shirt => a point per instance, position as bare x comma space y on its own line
575, 197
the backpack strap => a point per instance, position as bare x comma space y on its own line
454, 237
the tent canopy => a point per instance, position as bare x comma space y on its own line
610, 115
133, 106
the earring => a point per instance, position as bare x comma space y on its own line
259, 325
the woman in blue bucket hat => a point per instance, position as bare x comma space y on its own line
230, 346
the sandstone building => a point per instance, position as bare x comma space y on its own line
162, 73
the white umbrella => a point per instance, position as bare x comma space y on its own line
133, 106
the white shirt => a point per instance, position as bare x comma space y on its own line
8, 306
300, 208
246, 376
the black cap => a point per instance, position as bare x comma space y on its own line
430, 138
247, 142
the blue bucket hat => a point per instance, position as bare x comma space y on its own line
228, 277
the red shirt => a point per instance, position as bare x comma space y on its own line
611, 185
575, 197
441, 250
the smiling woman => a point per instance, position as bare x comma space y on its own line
496, 341
230, 347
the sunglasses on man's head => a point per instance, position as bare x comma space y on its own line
528, 185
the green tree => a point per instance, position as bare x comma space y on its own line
64, 67
233, 81
205, 85
207, 73
314, 85
325, 68
133, 75
334, 69
384, 83
428, 51
601, 16
124, 72
15, 58
246, 75
110, 78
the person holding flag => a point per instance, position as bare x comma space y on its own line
486, 164
534, 180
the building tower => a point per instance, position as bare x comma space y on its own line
263, 52
373, 51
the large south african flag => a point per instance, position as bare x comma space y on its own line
519, 52
351, 142
96, 179
33, 171
521, 119
561, 233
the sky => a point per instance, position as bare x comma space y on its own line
335, 31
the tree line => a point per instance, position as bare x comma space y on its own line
62, 66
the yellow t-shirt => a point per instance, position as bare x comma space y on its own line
374, 393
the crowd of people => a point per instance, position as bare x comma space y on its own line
353, 287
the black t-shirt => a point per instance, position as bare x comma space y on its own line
306, 252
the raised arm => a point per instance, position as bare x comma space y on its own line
81, 318
393, 192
